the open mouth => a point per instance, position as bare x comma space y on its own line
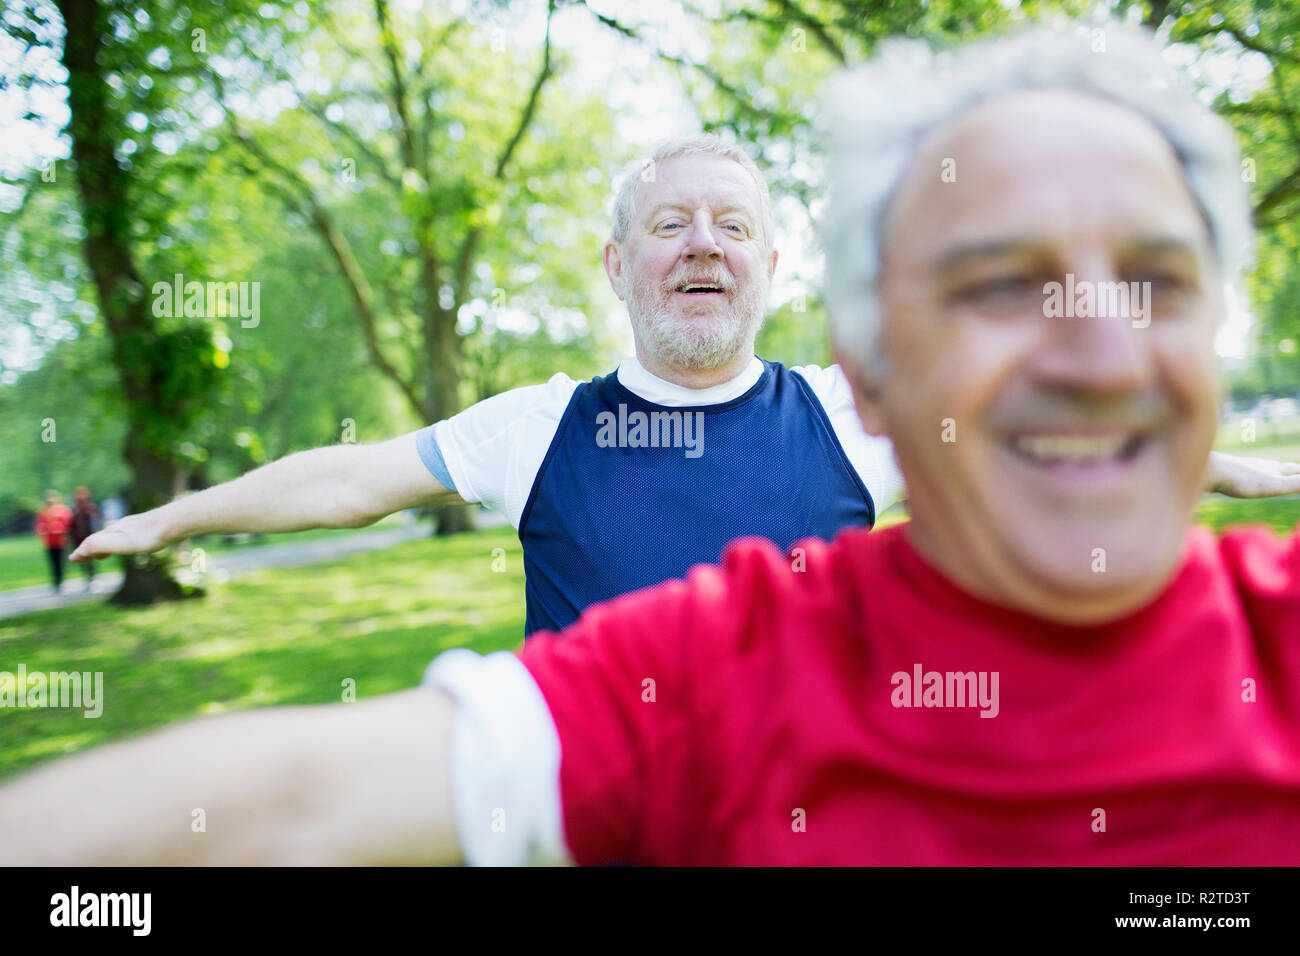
1078, 450
699, 288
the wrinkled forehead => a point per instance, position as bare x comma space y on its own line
1057, 166
690, 182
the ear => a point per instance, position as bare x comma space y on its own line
613, 259
866, 392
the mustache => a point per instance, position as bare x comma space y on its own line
1059, 410
715, 277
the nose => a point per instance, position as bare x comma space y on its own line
1100, 349
700, 241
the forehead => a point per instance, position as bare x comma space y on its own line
1050, 166
694, 181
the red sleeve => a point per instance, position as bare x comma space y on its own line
625, 685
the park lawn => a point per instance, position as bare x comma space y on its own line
1280, 514
1266, 436
284, 636
23, 563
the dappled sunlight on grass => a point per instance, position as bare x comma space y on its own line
290, 636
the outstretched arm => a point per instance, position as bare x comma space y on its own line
337, 486
338, 784
1243, 477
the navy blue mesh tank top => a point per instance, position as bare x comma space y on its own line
631, 493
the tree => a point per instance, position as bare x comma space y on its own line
467, 168
165, 373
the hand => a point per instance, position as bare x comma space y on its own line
133, 534
1242, 477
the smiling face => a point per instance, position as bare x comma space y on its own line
1076, 443
695, 268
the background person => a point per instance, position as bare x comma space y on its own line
52, 524
778, 452
85, 522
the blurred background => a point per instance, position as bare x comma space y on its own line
391, 210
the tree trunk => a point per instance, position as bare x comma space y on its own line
453, 519
105, 211
442, 370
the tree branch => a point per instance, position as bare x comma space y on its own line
466, 255
801, 16
389, 43
712, 75
302, 199
1287, 188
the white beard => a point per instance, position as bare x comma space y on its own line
704, 340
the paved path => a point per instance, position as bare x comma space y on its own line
224, 565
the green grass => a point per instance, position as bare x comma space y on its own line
268, 637
23, 562
1280, 514
1272, 440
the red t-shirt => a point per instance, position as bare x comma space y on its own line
747, 715
52, 523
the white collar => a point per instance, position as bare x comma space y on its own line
633, 375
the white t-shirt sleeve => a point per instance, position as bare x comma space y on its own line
505, 761
493, 450
872, 456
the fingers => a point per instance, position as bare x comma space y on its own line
96, 546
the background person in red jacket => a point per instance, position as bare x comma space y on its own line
85, 522
52, 524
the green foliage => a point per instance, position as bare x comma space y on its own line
796, 334
72, 399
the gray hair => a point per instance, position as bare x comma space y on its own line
697, 144
881, 112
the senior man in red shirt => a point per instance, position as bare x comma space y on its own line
1047, 665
